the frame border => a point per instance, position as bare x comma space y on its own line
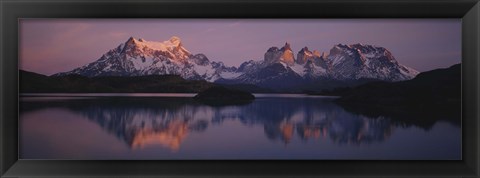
467, 10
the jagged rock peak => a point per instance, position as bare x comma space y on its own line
287, 56
304, 55
286, 47
129, 45
304, 49
175, 40
273, 49
360, 45
131, 40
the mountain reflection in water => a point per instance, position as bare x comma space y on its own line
142, 122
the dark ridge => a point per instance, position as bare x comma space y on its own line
36, 83
439, 86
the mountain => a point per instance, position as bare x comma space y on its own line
284, 54
138, 57
345, 65
366, 61
280, 69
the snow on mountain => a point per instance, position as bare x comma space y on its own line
138, 57
305, 55
314, 70
275, 75
358, 61
279, 67
343, 63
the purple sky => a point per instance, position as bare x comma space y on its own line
48, 46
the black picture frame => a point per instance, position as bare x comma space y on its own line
467, 10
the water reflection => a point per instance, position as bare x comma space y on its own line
167, 122
170, 136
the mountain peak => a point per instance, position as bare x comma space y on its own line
130, 40
287, 56
173, 45
176, 41
130, 44
304, 49
359, 60
305, 55
273, 49
286, 47
360, 46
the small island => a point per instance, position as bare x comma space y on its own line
219, 95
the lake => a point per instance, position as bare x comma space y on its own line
273, 126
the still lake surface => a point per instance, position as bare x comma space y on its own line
273, 126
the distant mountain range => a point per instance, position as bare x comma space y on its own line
344, 65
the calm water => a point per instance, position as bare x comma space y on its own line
173, 126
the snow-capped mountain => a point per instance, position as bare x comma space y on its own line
344, 63
278, 69
366, 61
137, 57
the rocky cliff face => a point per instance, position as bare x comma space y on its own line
284, 54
